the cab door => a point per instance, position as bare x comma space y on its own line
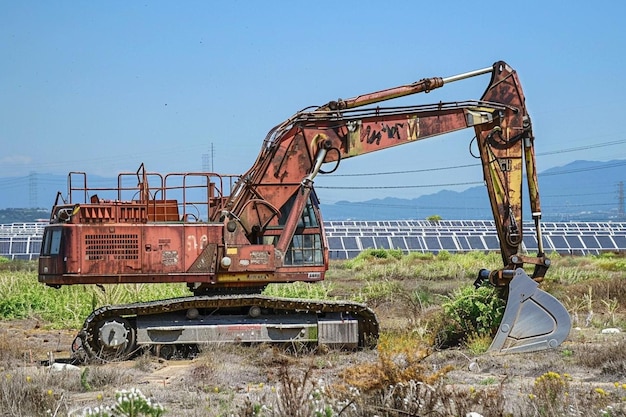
51, 257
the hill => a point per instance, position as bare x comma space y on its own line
24, 215
581, 190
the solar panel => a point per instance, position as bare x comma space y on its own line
414, 243
464, 244
558, 243
382, 243
350, 243
448, 243
398, 243
492, 242
574, 242
476, 243
367, 242
620, 241
338, 254
335, 242
432, 243
35, 247
606, 242
590, 242
530, 241
5, 246
19, 246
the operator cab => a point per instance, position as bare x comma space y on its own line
307, 246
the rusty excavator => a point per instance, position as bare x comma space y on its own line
229, 236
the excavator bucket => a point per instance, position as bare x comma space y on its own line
533, 320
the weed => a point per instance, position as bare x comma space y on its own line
144, 362
377, 292
294, 393
130, 403
554, 394
488, 381
32, 393
473, 312
419, 299
478, 343
443, 256
9, 350
400, 360
420, 256
83, 380
311, 291
369, 256
609, 357
401, 380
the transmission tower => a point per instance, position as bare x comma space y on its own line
32, 189
207, 160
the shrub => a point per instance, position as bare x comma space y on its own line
472, 312
400, 360
444, 255
368, 255
129, 404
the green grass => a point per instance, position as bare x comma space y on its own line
582, 283
304, 290
22, 296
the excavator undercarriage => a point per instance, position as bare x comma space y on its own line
177, 325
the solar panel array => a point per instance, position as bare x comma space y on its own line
21, 240
346, 239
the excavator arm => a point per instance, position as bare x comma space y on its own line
294, 152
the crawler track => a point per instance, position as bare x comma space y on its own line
368, 324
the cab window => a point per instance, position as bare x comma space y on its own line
51, 242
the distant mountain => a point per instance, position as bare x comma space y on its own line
23, 215
581, 190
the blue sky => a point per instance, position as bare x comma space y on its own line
103, 86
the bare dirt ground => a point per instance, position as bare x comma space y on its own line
222, 379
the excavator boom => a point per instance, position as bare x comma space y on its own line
228, 236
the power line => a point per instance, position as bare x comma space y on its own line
569, 171
390, 187
412, 171
428, 207
584, 148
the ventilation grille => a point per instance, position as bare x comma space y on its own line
112, 246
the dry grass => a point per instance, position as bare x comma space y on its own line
608, 356
406, 375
